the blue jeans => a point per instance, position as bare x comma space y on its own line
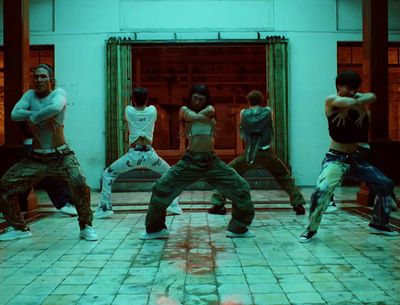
335, 167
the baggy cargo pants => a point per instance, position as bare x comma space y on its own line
20, 178
192, 167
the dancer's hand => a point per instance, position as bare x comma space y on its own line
361, 115
341, 117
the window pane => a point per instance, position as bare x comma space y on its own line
357, 55
393, 56
34, 58
344, 55
394, 104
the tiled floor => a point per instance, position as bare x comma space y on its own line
198, 264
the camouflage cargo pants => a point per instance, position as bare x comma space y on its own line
20, 178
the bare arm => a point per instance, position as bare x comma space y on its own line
189, 115
209, 111
58, 102
360, 99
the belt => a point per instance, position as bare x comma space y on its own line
139, 147
45, 151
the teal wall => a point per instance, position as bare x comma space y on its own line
79, 29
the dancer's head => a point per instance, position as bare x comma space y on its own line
255, 98
348, 83
139, 96
199, 97
43, 79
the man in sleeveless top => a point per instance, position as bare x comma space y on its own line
343, 157
200, 161
43, 109
364, 150
260, 154
141, 120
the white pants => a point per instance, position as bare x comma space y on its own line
133, 159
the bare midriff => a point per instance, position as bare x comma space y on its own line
345, 148
57, 138
201, 143
141, 141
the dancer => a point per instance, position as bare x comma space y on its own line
344, 159
141, 120
200, 161
43, 108
256, 129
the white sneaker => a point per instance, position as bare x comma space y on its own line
103, 212
174, 208
88, 233
246, 234
163, 234
331, 208
69, 209
15, 234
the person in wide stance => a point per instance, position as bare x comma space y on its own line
257, 131
200, 161
141, 120
43, 108
343, 157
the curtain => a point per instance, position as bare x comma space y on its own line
119, 88
277, 85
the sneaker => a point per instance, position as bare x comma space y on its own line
69, 209
306, 236
15, 234
299, 209
331, 208
103, 212
174, 208
163, 234
382, 230
246, 234
217, 209
88, 233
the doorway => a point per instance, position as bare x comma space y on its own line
230, 70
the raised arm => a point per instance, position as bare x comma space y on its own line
359, 99
189, 115
58, 102
21, 110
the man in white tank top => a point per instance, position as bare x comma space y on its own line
141, 120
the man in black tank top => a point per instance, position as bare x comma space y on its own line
346, 112
260, 154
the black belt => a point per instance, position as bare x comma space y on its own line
139, 147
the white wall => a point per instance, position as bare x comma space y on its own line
79, 29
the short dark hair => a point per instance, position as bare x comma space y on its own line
139, 96
202, 90
350, 79
50, 72
255, 97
